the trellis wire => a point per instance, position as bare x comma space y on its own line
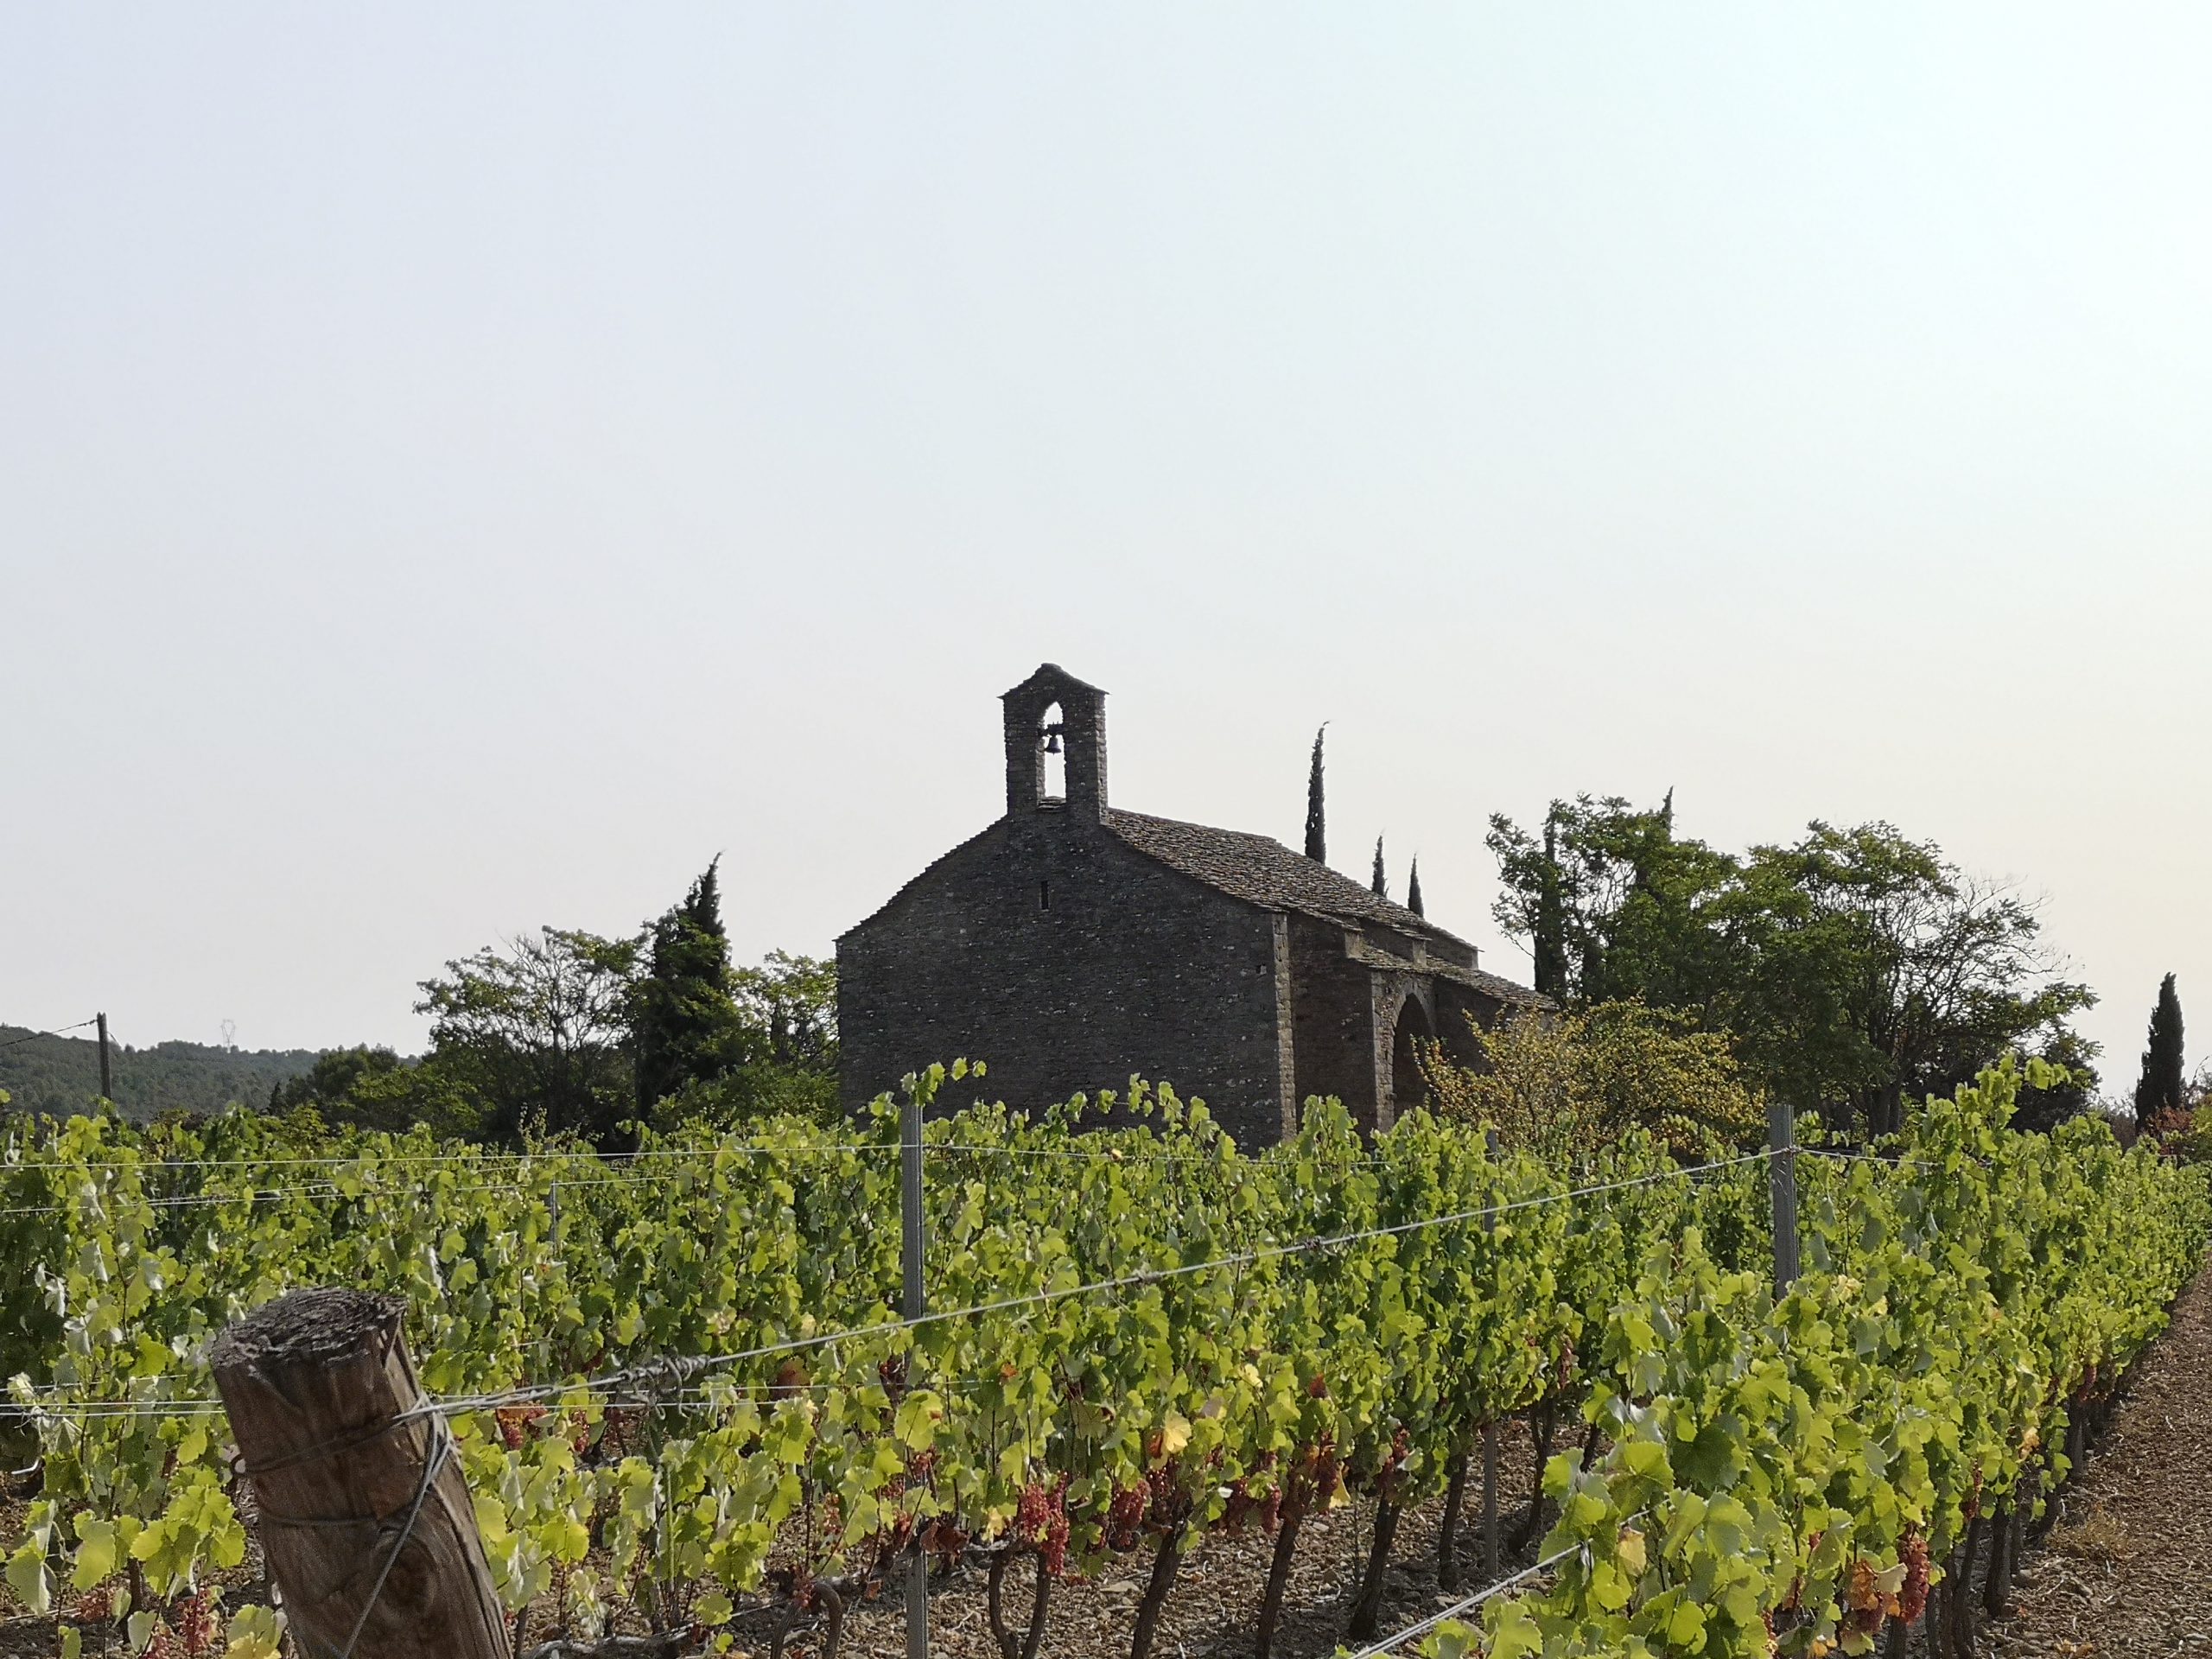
1468, 1604
663, 1372
631, 1381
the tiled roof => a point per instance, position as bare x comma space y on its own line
1502, 990
1262, 871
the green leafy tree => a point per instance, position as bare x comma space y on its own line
685, 1028
786, 1061
2160, 1088
1378, 881
1853, 969
793, 999
569, 1033
1877, 972
1569, 1085
1615, 905
536, 1034
375, 1088
1413, 889
332, 1079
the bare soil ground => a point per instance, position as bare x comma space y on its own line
2126, 1570
1212, 1611
1215, 1606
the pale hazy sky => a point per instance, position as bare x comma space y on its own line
462, 468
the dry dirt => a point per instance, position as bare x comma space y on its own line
2126, 1570
1216, 1602
1212, 1610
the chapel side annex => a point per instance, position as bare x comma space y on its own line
1071, 943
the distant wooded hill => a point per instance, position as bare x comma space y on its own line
62, 1075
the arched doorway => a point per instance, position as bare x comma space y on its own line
1409, 1089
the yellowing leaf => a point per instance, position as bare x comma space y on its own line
1687, 1628
915, 1425
255, 1633
26, 1577
98, 1555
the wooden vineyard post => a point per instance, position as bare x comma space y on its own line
914, 1302
1782, 1173
364, 1516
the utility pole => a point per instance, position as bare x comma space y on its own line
107, 1079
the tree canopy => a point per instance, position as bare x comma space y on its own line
1852, 969
567, 1033
61, 1074
1572, 1084
538, 1032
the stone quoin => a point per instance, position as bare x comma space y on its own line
1071, 945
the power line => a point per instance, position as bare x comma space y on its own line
1869, 1158
17, 1042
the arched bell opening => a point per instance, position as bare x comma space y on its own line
1051, 731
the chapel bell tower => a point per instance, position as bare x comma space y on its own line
1056, 746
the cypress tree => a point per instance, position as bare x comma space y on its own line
1381, 887
685, 1027
1317, 837
1413, 887
2160, 1088
1551, 921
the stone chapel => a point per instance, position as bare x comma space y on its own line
1071, 943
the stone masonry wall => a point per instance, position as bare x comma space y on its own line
1066, 960
1331, 1024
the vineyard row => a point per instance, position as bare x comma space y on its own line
1152, 1335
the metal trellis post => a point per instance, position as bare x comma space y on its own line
1490, 1430
914, 1304
1782, 1175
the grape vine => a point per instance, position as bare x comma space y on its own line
1337, 1317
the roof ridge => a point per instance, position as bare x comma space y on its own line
1327, 890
